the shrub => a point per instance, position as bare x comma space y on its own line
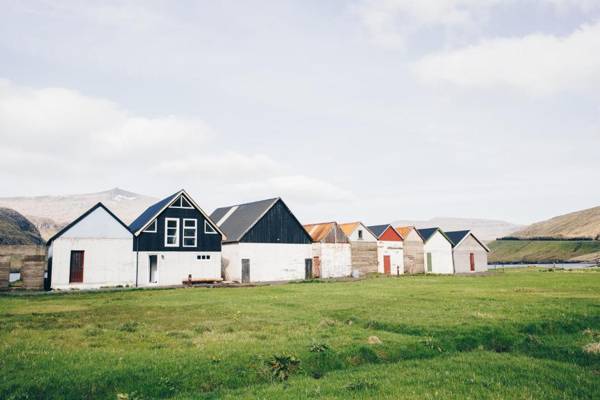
282, 366
319, 347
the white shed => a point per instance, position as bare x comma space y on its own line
91, 252
364, 248
438, 251
470, 253
332, 255
390, 250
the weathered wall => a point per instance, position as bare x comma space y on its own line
395, 251
364, 257
4, 272
268, 261
17, 254
441, 254
32, 272
335, 259
174, 267
413, 254
462, 256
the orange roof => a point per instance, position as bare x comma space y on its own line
404, 230
349, 227
318, 231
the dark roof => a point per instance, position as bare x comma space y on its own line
151, 212
378, 229
427, 233
82, 216
244, 217
456, 236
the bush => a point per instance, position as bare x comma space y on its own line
282, 366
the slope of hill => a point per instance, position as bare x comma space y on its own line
585, 223
50, 213
541, 251
485, 229
15, 229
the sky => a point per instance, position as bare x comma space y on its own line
372, 110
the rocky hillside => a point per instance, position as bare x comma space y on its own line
50, 213
485, 229
15, 229
585, 223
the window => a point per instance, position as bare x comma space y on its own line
151, 228
181, 202
209, 229
171, 232
76, 268
189, 232
203, 257
360, 235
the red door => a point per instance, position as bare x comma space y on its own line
472, 262
76, 272
387, 265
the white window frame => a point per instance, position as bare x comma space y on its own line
195, 227
149, 228
212, 230
176, 244
180, 205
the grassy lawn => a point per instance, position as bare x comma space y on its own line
513, 334
543, 250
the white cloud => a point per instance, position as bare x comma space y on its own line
535, 63
56, 136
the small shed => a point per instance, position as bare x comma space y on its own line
438, 251
413, 250
332, 255
265, 242
470, 254
390, 250
364, 248
93, 251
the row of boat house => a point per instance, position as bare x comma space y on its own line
175, 242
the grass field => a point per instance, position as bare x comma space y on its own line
543, 250
515, 334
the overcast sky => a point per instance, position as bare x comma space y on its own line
372, 110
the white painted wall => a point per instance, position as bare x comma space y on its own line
336, 259
395, 250
175, 266
268, 261
107, 262
367, 235
97, 224
441, 254
462, 256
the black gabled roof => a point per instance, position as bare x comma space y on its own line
457, 236
242, 217
378, 229
82, 216
427, 233
150, 213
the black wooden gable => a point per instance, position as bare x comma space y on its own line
277, 225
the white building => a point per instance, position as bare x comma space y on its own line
470, 254
95, 250
438, 251
364, 248
332, 255
265, 242
390, 251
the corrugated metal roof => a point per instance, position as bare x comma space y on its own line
242, 218
150, 213
319, 231
349, 227
378, 229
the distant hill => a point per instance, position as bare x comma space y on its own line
585, 223
485, 229
50, 213
15, 229
542, 251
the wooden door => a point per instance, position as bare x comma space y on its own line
472, 259
245, 270
308, 273
316, 266
387, 265
429, 263
76, 270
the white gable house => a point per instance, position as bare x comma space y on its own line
438, 251
93, 251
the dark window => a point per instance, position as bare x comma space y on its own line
76, 269
360, 236
151, 228
208, 257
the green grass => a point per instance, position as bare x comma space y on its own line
514, 334
540, 250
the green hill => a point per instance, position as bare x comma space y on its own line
15, 229
543, 250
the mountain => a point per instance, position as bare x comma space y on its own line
485, 229
50, 213
584, 223
15, 229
